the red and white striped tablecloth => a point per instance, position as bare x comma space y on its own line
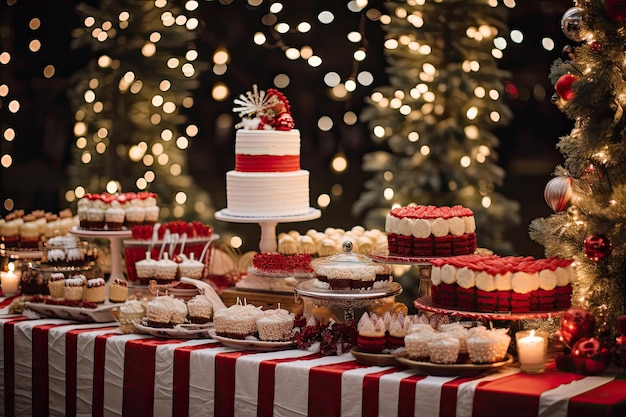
53, 367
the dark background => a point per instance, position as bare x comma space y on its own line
41, 152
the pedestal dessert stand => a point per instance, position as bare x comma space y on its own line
268, 242
115, 238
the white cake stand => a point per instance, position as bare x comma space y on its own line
115, 238
268, 224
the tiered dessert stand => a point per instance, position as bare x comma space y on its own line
268, 224
424, 300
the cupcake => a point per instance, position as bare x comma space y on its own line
56, 285
444, 349
416, 341
191, 268
371, 333
166, 311
199, 309
165, 269
457, 330
237, 321
118, 291
114, 216
94, 291
487, 346
397, 329
74, 288
275, 325
146, 268
82, 208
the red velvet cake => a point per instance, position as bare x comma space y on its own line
502, 284
431, 231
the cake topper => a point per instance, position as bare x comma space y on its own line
261, 110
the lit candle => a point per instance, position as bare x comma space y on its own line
531, 350
9, 281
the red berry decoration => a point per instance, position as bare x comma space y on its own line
590, 356
597, 247
615, 9
576, 323
564, 88
558, 192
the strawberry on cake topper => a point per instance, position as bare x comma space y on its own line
261, 110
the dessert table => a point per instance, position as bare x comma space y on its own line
55, 367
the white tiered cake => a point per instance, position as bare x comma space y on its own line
267, 179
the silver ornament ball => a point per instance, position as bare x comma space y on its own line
573, 25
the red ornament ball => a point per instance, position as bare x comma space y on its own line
595, 46
564, 88
597, 247
576, 323
558, 192
615, 9
590, 356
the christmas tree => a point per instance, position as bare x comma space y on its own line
435, 120
588, 192
131, 129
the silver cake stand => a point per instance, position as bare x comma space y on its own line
268, 224
347, 300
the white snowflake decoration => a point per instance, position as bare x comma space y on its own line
254, 103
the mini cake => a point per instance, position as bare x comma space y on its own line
52, 227
95, 212
191, 268
275, 325
199, 309
487, 346
11, 230
134, 214
146, 268
237, 321
56, 285
371, 336
114, 216
74, 288
490, 283
444, 349
118, 291
165, 269
151, 209
430, 231
29, 232
95, 290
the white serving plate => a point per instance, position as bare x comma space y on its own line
100, 314
181, 331
253, 345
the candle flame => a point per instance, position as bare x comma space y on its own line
11, 267
532, 332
